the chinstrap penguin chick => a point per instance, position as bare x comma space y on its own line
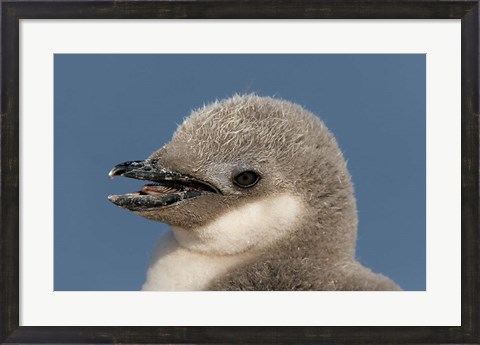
258, 196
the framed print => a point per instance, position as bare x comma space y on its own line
97, 89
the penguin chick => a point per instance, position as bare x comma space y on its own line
258, 196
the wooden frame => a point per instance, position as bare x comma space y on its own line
13, 11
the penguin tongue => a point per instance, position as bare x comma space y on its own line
158, 190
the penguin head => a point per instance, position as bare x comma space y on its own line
242, 174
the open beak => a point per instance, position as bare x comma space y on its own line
167, 187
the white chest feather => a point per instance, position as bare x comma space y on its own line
188, 260
178, 269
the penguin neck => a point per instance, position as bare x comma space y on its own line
279, 229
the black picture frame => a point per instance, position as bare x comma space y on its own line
13, 11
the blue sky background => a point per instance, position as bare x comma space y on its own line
114, 108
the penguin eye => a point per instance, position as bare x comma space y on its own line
246, 179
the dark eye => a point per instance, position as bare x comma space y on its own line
246, 179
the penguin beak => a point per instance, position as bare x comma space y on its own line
168, 187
